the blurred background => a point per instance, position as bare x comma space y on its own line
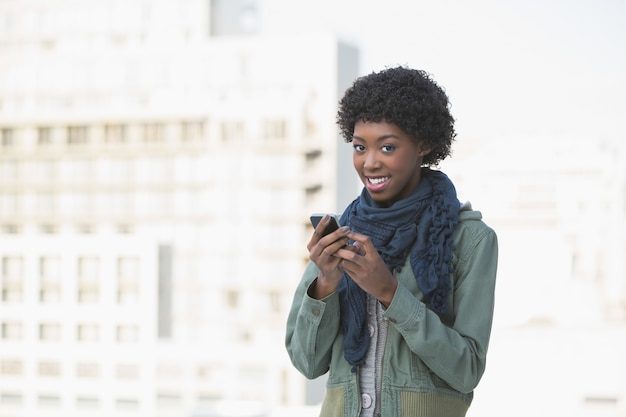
159, 160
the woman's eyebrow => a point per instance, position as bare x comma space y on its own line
380, 139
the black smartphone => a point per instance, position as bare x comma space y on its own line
331, 227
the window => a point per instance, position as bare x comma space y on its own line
244, 336
253, 374
10, 398
87, 370
49, 279
48, 400
82, 203
86, 229
166, 399
50, 332
154, 169
311, 114
127, 334
79, 170
77, 135
127, 371
311, 192
274, 301
127, 403
48, 44
204, 372
49, 368
44, 136
208, 399
9, 169
7, 137
127, 280
12, 279
311, 157
232, 130
128, 267
45, 170
88, 332
11, 229
48, 229
88, 280
9, 203
274, 129
153, 202
153, 133
120, 169
169, 371
46, 203
115, 133
11, 330
192, 131
232, 299
124, 229
120, 202
11, 367
84, 402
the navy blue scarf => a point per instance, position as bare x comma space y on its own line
421, 226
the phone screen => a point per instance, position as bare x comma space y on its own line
332, 226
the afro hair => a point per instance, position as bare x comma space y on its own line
406, 97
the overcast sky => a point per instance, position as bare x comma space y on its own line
510, 67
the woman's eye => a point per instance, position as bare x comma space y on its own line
388, 148
359, 148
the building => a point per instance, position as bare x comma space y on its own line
560, 202
558, 205
155, 184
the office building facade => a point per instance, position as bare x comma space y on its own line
155, 184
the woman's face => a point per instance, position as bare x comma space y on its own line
387, 160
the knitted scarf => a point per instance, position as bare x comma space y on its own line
419, 226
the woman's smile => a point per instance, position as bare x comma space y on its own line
375, 184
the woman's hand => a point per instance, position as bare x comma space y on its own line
323, 252
365, 266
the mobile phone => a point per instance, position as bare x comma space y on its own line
332, 225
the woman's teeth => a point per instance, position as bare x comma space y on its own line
379, 180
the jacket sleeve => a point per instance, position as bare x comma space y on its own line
455, 353
312, 326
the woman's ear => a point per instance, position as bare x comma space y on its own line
423, 149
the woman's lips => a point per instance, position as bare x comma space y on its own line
377, 183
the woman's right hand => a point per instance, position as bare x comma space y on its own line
322, 251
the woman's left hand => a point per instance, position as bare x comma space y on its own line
365, 266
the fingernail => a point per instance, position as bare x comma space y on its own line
345, 229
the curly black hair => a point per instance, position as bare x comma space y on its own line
406, 97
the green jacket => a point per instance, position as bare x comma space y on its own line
431, 365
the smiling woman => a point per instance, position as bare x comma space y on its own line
398, 302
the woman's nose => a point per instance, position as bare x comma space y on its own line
371, 160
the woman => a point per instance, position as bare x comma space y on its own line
397, 303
